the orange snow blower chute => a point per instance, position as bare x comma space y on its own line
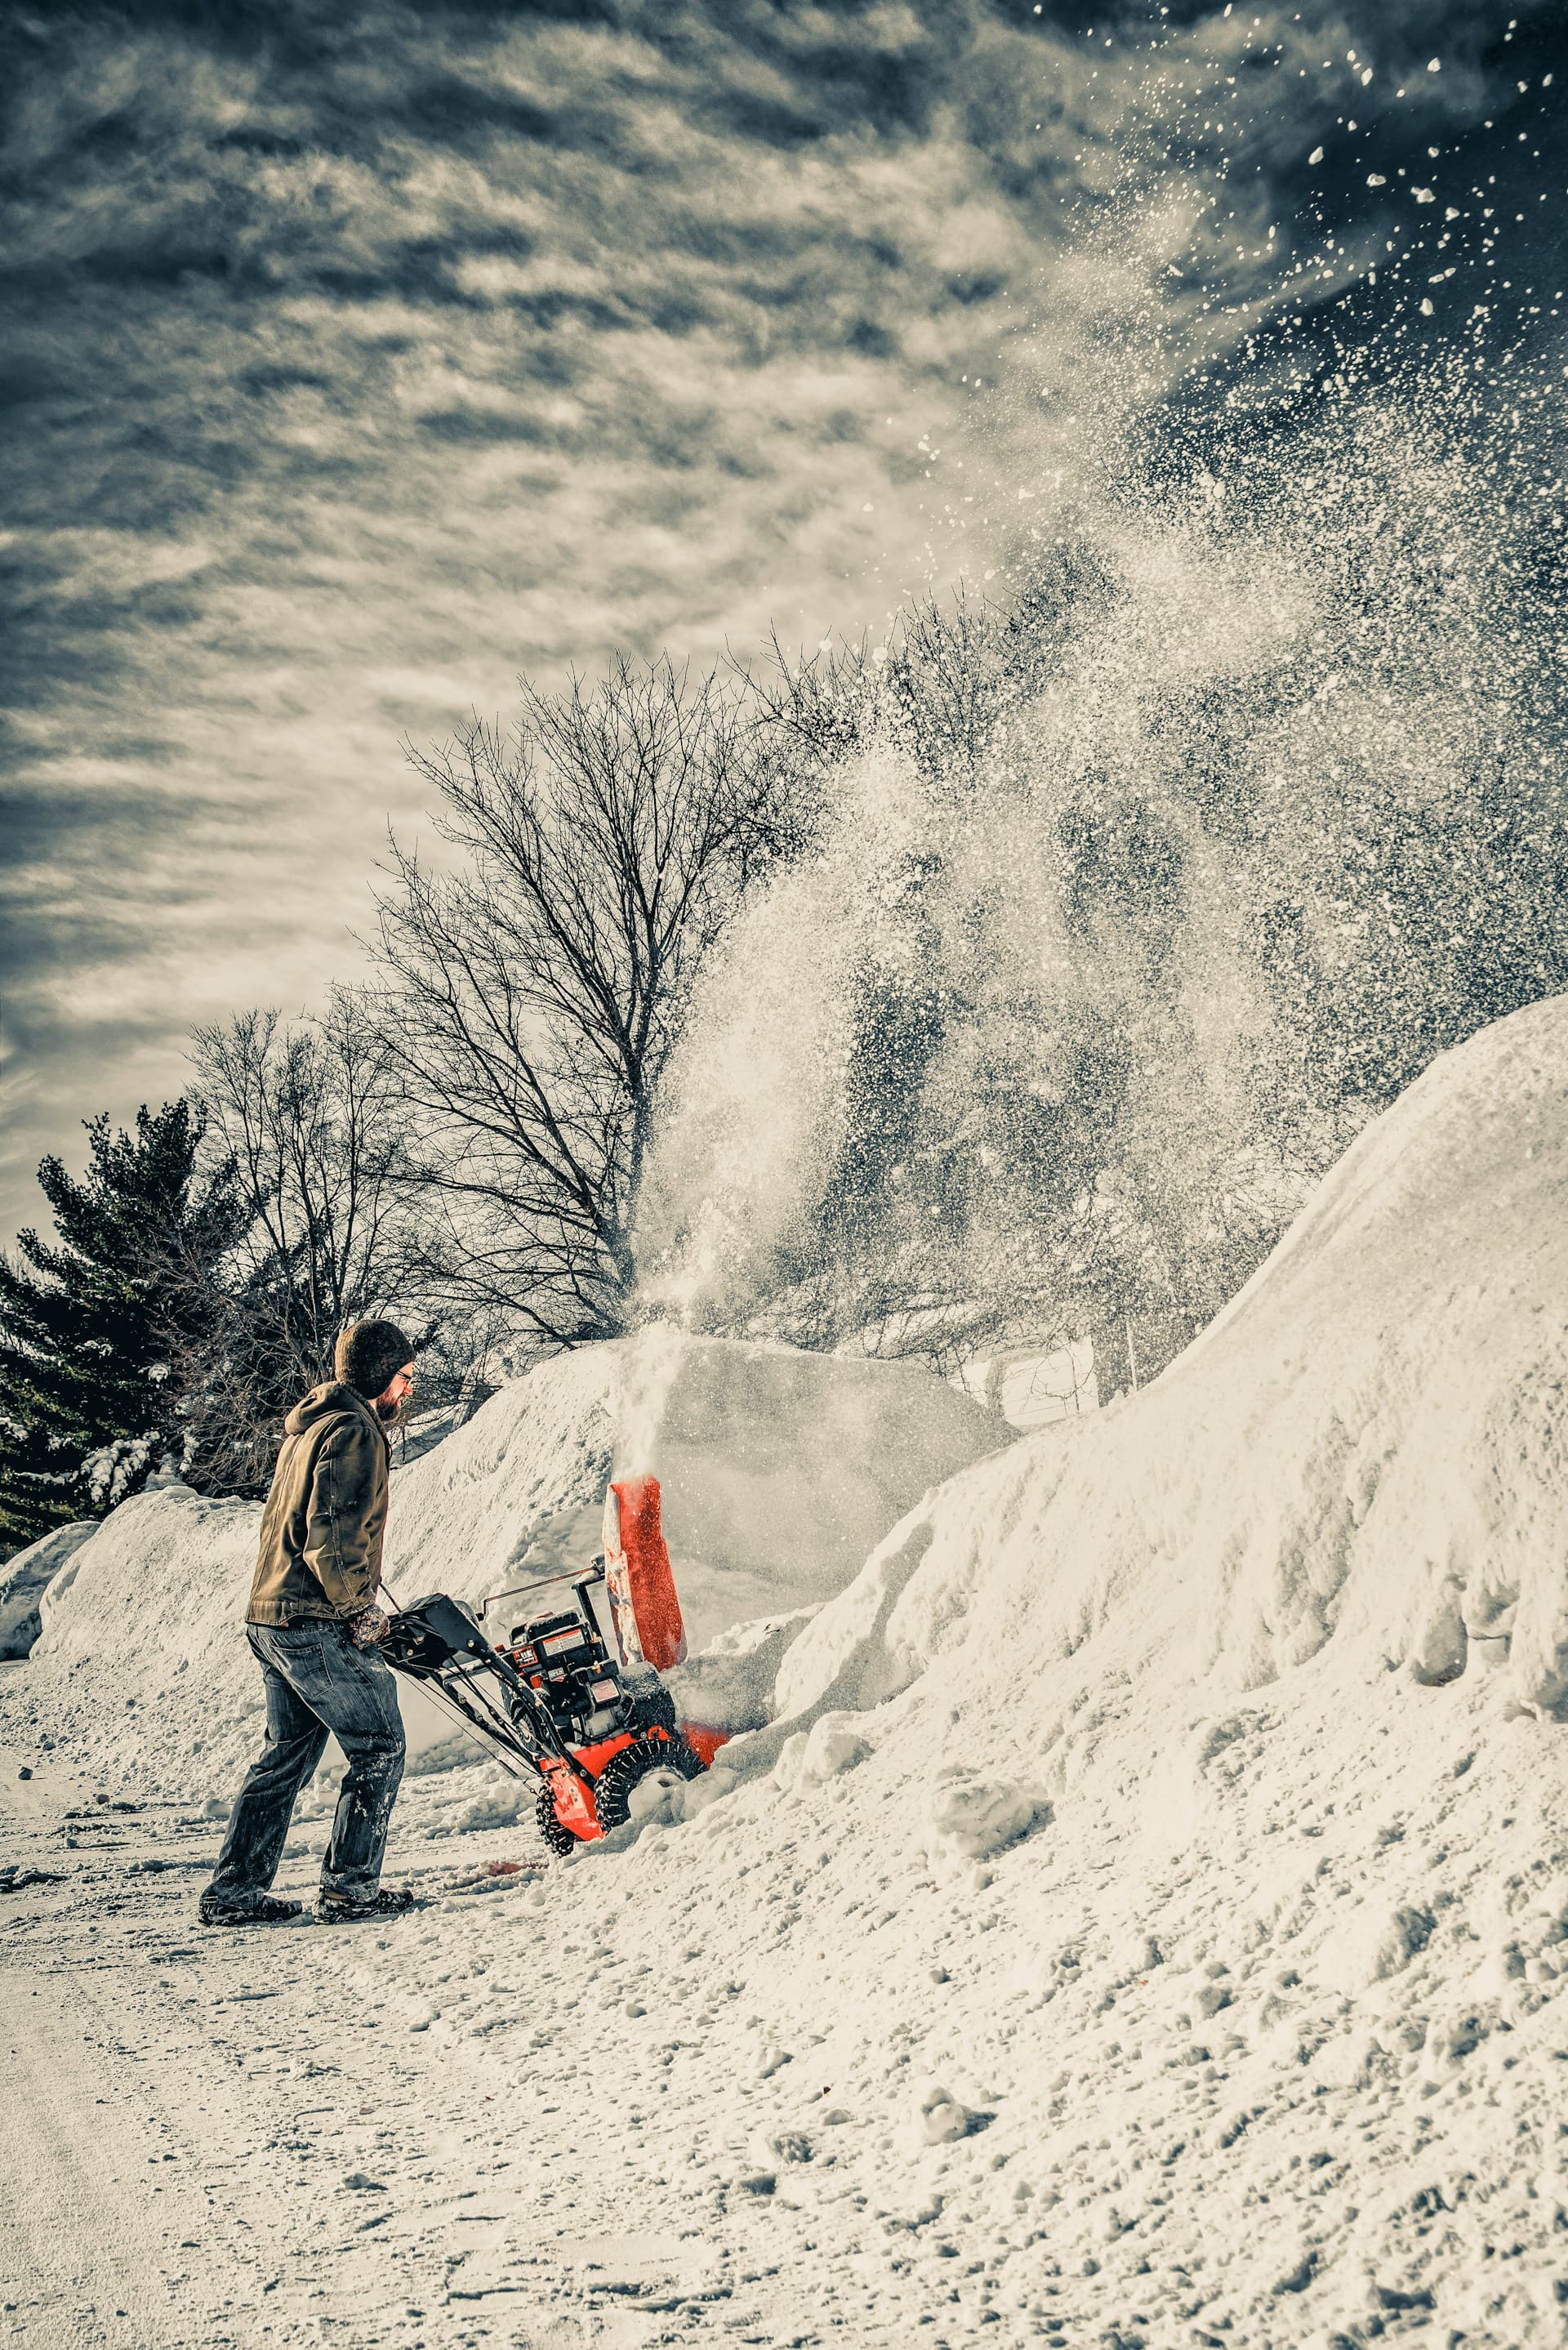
642, 1596
550, 1698
638, 1579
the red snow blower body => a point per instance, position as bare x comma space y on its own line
551, 1700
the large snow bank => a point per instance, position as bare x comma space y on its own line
1367, 1447
1149, 1923
780, 1471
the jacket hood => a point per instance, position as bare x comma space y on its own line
329, 1401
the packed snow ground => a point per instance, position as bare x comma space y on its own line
1145, 1922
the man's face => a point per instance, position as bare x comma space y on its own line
395, 1394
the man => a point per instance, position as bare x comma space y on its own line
313, 1623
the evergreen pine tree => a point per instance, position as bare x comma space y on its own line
86, 1405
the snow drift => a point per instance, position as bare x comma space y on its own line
1148, 1919
1367, 1447
25, 1578
780, 1471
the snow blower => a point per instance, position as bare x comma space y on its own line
550, 1701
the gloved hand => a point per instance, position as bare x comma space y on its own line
369, 1627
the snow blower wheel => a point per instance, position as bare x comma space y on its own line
557, 1839
625, 1771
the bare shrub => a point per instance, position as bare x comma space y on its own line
309, 1113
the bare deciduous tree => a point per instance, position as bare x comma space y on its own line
309, 1114
536, 989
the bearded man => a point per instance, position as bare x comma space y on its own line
313, 1624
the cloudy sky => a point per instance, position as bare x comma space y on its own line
356, 360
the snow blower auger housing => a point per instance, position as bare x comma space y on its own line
552, 1701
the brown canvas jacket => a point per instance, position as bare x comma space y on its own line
321, 1531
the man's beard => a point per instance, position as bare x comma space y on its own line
389, 1414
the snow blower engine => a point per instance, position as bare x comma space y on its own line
551, 1701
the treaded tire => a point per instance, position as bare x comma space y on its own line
559, 1839
626, 1770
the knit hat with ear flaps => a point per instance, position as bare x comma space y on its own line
370, 1354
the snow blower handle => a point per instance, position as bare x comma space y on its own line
443, 1621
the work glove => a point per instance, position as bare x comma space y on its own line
369, 1627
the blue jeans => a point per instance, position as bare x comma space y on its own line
317, 1682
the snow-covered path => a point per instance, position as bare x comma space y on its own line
184, 2108
83, 2244
209, 2139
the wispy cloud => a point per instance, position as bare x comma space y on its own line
358, 357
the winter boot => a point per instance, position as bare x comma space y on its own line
259, 1910
339, 1909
